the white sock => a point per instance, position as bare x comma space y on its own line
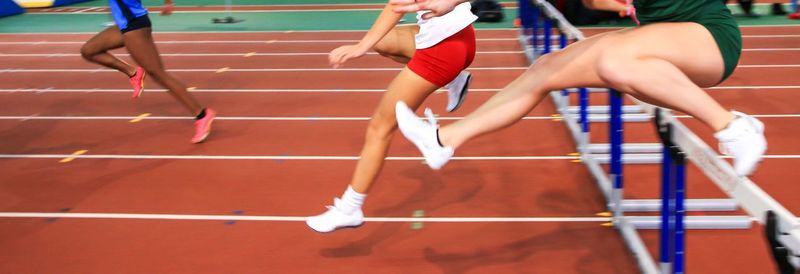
351, 201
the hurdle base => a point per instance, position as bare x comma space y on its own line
654, 205
640, 252
628, 117
785, 258
694, 222
226, 20
604, 148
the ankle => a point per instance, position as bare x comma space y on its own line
444, 138
201, 114
351, 200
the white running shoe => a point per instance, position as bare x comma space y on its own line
457, 90
423, 135
744, 140
334, 219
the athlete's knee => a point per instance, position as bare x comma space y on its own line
540, 76
88, 52
380, 128
383, 48
616, 69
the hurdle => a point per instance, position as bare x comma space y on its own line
539, 20
228, 19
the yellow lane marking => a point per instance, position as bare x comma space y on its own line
140, 117
604, 214
73, 156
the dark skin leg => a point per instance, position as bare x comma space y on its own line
96, 50
143, 50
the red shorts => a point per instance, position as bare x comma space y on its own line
442, 62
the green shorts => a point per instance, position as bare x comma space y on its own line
727, 35
717, 18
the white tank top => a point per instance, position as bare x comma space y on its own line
434, 30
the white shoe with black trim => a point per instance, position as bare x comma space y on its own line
423, 135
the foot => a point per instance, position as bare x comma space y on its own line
777, 9
795, 15
457, 90
137, 81
744, 140
423, 135
334, 219
203, 126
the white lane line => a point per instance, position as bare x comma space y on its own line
211, 54
755, 87
309, 158
52, 90
304, 41
220, 54
266, 157
284, 118
228, 69
514, 30
769, 66
378, 90
297, 218
771, 36
771, 49
230, 118
15, 70
261, 41
245, 70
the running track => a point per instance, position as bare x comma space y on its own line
287, 145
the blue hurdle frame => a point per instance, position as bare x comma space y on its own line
672, 204
673, 192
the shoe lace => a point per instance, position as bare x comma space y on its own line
431, 117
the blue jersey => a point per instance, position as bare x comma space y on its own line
125, 11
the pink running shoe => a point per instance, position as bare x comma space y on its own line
203, 126
137, 81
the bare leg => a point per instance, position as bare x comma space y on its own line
398, 44
96, 50
406, 86
143, 50
650, 62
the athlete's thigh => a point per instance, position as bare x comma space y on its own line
142, 48
399, 41
688, 46
573, 66
108, 39
408, 87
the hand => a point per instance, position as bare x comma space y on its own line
435, 7
338, 56
167, 9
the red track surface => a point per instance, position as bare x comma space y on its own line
482, 188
